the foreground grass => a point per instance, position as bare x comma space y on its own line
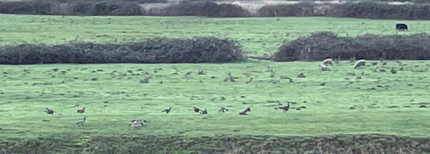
258, 35
392, 107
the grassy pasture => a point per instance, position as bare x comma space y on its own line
258, 35
392, 107
387, 110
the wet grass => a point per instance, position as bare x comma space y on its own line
112, 94
364, 103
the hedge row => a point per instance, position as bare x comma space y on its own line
215, 50
211, 9
154, 50
369, 46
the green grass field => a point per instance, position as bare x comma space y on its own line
384, 103
257, 35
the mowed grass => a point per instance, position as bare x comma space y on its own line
257, 35
392, 107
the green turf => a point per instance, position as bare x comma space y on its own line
258, 35
391, 108
327, 107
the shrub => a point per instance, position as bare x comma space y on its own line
380, 11
321, 45
25, 7
206, 8
94, 7
155, 50
299, 9
72, 1
106, 8
372, 10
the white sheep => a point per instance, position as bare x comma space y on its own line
325, 68
360, 63
137, 123
327, 62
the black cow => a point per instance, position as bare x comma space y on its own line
401, 27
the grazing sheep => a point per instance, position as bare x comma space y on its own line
49, 111
82, 122
167, 110
223, 109
325, 68
327, 62
81, 110
197, 110
360, 63
137, 123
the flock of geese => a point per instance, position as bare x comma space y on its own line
140, 122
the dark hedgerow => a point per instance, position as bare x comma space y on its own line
25, 7
204, 8
321, 45
79, 7
154, 50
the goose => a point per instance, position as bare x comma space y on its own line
204, 111
242, 113
286, 108
197, 110
49, 111
223, 109
246, 110
81, 110
167, 110
82, 122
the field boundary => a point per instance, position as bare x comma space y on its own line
216, 50
348, 143
371, 10
254, 5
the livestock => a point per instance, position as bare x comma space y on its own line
137, 123
401, 26
360, 63
328, 61
325, 68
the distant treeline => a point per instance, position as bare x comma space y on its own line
373, 10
